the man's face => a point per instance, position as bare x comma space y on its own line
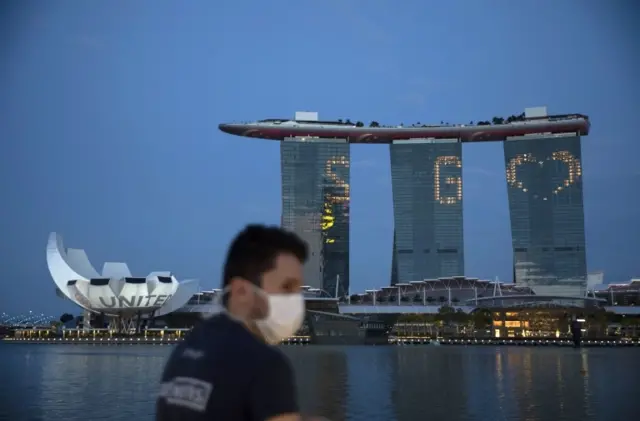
285, 277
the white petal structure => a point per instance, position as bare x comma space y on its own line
115, 291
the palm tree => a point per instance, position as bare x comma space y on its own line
66, 318
482, 318
461, 317
601, 318
446, 314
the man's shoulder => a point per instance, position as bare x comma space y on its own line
203, 340
221, 339
220, 334
215, 328
215, 346
224, 335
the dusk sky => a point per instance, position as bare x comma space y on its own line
109, 113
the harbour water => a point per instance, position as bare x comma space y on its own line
58, 382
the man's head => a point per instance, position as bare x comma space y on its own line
268, 258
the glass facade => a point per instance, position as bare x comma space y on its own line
315, 205
544, 183
427, 206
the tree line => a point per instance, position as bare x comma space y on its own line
481, 318
496, 121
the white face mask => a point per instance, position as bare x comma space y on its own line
285, 315
284, 318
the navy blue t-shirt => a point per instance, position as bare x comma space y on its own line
221, 371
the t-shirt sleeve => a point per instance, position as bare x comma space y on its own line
273, 391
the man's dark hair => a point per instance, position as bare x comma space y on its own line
255, 249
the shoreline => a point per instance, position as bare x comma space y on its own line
609, 343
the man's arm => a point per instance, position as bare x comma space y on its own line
273, 395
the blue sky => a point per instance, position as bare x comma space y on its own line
109, 114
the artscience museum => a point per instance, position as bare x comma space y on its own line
122, 298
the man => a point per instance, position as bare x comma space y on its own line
227, 368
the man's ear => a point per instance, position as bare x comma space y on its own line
239, 288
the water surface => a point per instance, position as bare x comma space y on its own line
118, 383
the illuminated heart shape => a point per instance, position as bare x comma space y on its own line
573, 165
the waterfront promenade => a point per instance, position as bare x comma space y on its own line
306, 340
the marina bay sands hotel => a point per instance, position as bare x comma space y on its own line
543, 174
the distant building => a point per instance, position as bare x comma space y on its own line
620, 294
114, 292
544, 183
315, 204
544, 178
426, 177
